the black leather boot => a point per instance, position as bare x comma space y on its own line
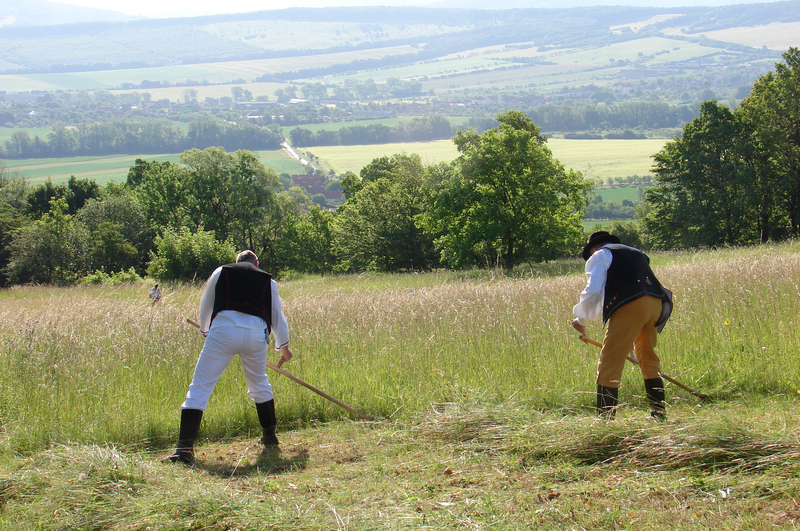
268, 421
190, 427
654, 388
607, 398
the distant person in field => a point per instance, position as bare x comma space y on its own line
155, 294
239, 308
623, 290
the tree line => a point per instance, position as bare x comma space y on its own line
731, 178
146, 136
434, 127
504, 201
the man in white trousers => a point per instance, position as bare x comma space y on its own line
239, 308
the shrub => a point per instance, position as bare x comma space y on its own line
186, 255
113, 279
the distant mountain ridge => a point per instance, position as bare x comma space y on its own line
15, 13
566, 4
432, 32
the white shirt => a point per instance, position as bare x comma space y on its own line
590, 307
280, 328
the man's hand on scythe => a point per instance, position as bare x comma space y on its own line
576, 324
286, 355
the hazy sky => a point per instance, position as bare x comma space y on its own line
188, 8
183, 8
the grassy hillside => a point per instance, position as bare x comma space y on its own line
450, 50
480, 392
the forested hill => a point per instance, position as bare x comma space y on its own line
293, 32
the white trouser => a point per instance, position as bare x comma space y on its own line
222, 344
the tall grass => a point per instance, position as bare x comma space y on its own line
102, 365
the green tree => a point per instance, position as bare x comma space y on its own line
163, 195
269, 234
507, 199
50, 251
772, 115
125, 216
140, 167
109, 251
19, 146
229, 193
13, 204
307, 242
62, 141
186, 255
377, 228
702, 179
315, 91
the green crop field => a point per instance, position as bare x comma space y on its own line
280, 162
352, 158
6, 132
282, 35
115, 168
477, 68
388, 122
100, 169
595, 158
619, 193
607, 158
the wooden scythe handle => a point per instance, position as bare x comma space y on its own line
701, 396
301, 382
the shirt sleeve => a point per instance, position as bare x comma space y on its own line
280, 328
590, 307
207, 300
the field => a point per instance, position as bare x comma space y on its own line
479, 391
619, 193
494, 67
776, 36
100, 169
115, 167
222, 72
595, 158
6, 132
388, 122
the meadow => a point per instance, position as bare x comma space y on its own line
594, 158
480, 395
115, 167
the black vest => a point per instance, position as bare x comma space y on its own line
245, 288
629, 278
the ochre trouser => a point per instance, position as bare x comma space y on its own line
633, 324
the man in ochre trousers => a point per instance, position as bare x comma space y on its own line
622, 289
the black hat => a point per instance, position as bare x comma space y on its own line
597, 238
